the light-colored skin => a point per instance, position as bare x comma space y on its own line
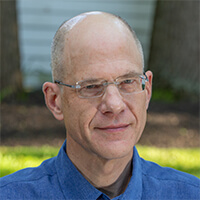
101, 132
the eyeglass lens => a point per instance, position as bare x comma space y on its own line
128, 85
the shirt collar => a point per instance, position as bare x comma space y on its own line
72, 183
75, 186
134, 189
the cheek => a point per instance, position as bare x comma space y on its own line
137, 106
78, 113
86, 117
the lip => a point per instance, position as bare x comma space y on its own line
113, 128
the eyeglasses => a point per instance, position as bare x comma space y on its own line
96, 88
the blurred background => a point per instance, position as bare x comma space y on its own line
169, 33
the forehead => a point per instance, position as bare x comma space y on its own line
100, 47
107, 72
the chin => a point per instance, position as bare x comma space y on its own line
115, 150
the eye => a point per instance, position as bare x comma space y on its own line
128, 81
93, 86
91, 90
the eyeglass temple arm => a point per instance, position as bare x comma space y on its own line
146, 78
60, 83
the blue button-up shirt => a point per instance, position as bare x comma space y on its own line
58, 178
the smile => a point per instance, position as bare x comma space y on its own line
114, 128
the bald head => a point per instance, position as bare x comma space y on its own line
79, 33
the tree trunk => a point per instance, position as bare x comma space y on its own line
174, 55
11, 79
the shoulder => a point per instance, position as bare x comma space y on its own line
153, 170
26, 181
29, 174
168, 181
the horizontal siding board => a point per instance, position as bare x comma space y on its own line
36, 58
40, 66
44, 50
77, 6
37, 34
70, 13
46, 24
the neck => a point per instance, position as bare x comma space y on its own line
100, 172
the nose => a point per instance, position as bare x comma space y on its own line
112, 101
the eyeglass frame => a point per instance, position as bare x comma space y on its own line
105, 84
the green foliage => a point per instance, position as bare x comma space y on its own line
166, 95
169, 95
8, 95
186, 160
5, 92
16, 158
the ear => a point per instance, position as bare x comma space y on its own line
148, 87
52, 96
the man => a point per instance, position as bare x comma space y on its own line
101, 92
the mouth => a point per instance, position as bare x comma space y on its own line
114, 128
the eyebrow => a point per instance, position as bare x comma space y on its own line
92, 80
127, 75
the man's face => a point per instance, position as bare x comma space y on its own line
107, 126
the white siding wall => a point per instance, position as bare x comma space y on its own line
38, 21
